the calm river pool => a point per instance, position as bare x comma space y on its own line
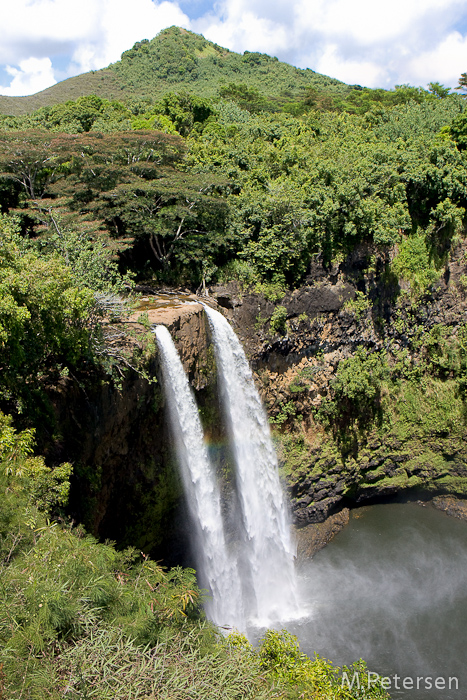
391, 588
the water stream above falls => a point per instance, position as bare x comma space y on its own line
391, 588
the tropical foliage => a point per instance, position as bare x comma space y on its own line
270, 191
226, 167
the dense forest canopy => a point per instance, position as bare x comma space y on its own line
200, 187
245, 181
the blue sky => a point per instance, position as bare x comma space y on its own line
358, 41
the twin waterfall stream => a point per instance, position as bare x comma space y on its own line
252, 580
391, 588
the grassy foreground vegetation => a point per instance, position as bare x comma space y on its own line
80, 619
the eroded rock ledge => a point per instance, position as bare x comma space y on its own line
126, 484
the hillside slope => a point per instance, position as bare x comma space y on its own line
177, 59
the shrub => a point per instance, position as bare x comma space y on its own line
358, 306
356, 391
413, 264
310, 679
277, 324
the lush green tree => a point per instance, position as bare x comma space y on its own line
414, 264
90, 258
462, 85
438, 90
87, 113
129, 185
458, 131
246, 97
32, 159
96, 184
446, 224
184, 110
43, 317
174, 223
275, 225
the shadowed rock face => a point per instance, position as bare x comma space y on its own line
316, 536
126, 484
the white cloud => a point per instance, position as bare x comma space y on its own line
93, 33
33, 75
116, 29
365, 21
444, 62
358, 41
331, 63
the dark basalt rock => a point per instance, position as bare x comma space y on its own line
317, 299
455, 507
317, 512
315, 536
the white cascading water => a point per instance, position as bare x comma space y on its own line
217, 570
268, 552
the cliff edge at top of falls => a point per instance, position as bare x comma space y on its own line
409, 438
183, 315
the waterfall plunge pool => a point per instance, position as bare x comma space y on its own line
391, 588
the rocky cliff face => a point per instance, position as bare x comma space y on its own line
126, 484
416, 442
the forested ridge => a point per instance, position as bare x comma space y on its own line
252, 176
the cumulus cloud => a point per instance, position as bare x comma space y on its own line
118, 24
243, 26
446, 61
331, 62
93, 33
33, 75
357, 41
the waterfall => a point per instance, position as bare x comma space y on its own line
267, 555
217, 570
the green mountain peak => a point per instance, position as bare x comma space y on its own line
180, 60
